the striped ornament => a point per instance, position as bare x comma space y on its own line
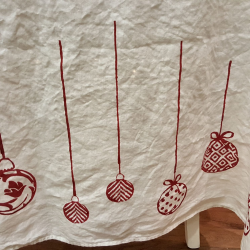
120, 190
76, 212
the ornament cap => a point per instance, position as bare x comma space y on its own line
74, 198
120, 177
6, 164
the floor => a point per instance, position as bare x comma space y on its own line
220, 229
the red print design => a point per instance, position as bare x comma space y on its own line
18, 186
247, 223
73, 211
172, 198
120, 190
15, 189
220, 154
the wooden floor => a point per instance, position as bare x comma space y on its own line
220, 229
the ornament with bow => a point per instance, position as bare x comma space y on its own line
220, 154
172, 198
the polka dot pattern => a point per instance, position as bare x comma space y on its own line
172, 198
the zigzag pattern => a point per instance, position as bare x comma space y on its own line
120, 190
76, 212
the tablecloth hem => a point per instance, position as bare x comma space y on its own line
112, 243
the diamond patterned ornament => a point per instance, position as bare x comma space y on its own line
220, 154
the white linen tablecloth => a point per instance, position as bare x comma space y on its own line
34, 132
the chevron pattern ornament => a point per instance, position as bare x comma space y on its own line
75, 212
120, 190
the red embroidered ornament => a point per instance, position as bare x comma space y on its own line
120, 190
220, 154
18, 187
172, 198
247, 223
74, 211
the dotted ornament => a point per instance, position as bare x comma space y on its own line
74, 211
172, 198
220, 154
247, 223
17, 187
120, 190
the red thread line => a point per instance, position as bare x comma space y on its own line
117, 106
1, 147
225, 95
178, 112
67, 119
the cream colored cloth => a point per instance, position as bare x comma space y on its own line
32, 119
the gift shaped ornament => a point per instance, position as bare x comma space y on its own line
17, 187
220, 154
172, 198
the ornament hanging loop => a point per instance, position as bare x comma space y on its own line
75, 198
120, 177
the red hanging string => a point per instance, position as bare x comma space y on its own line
225, 95
67, 120
178, 112
1, 147
117, 108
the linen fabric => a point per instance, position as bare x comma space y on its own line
32, 118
